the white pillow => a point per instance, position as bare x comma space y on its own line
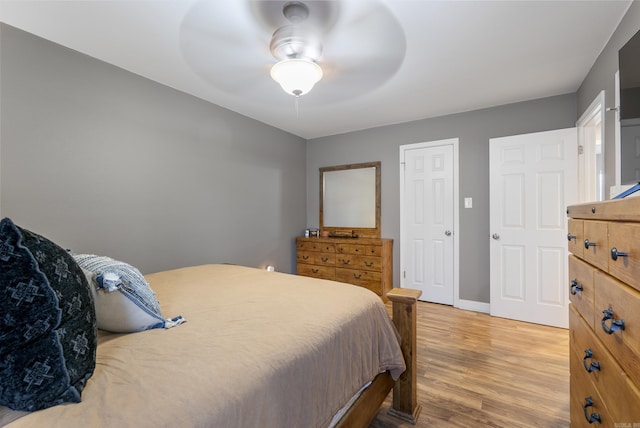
124, 301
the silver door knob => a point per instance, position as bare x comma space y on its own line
495, 236
447, 232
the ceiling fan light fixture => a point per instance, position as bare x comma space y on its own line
296, 76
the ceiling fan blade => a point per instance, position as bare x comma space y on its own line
365, 48
226, 49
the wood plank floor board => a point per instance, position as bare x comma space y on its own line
475, 370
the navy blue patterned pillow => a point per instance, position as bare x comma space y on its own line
47, 322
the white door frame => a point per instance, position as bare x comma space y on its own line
587, 174
617, 187
456, 210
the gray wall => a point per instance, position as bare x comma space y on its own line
602, 77
474, 129
101, 160
104, 161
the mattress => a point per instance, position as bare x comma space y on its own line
259, 349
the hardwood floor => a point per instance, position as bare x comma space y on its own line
475, 370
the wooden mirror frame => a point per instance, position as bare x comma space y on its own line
348, 232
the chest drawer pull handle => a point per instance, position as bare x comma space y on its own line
357, 276
575, 287
314, 270
588, 244
345, 261
615, 254
368, 264
615, 324
594, 417
570, 237
305, 257
324, 259
594, 365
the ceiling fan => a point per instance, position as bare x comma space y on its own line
297, 46
354, 46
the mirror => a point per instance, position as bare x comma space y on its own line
350, 200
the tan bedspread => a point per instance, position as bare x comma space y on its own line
260, 349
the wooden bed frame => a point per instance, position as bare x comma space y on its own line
405, 403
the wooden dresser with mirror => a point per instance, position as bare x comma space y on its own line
349, 248
604, 315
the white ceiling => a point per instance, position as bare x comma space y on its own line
385, 61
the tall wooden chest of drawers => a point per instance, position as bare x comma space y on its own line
367, 262
604, 315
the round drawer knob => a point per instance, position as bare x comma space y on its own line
615, 254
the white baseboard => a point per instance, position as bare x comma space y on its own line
471, 305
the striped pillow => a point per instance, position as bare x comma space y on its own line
124, 300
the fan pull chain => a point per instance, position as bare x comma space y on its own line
297, 97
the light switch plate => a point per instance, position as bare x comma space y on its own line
468, 202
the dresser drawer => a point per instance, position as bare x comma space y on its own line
623, 303
596, 244
323, 272
351, 261
622, 397
360, 249
325, 259
312, 245
585, 400
624, 239
316, 258
575, 236
363, 278
307, 257
581, 288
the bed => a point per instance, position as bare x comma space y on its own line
259, 349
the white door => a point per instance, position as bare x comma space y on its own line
533, 178
427, 219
